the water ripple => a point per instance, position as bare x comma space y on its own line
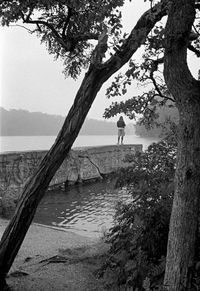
86, 209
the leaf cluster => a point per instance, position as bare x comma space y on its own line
147, 75
68, 28
165, 125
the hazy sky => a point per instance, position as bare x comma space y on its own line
32, 80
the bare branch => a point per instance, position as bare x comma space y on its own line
154, 67
30, 12
194, 50
40, 30
69, 15
45, 23
165, 97
195, 29
18, 25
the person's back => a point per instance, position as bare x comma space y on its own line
121, 123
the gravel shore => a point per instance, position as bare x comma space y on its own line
55, 260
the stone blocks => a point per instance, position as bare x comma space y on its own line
81, 164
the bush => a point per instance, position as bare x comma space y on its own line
138, 239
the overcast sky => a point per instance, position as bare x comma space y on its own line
32, 80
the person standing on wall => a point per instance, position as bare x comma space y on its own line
121, 131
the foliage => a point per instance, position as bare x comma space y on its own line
166, 122
139, 237
148, 75
68, 28
71, 29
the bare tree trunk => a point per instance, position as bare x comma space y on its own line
186, 91
37, 185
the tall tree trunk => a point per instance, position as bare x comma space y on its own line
37, 185
186, 91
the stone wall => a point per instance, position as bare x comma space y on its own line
82, 164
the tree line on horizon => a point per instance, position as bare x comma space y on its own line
18, 122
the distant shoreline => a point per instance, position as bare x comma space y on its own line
108, 134
32, 143
25, 123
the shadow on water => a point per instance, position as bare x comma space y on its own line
86, 209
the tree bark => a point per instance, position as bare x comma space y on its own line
38, 184
185, 89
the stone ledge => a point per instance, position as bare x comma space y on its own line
81, 164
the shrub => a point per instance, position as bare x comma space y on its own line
138, 240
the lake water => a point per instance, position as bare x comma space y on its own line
85, 209
28, 143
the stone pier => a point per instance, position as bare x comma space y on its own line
81, 164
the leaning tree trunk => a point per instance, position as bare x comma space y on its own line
186, 91
38, 184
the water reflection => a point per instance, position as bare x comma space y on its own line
85, 209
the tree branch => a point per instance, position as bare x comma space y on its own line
194, 50
45, 23
197, 6
68, 43
69, 15
30, 12
154, 68
18, 25
196, 30
138, 34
